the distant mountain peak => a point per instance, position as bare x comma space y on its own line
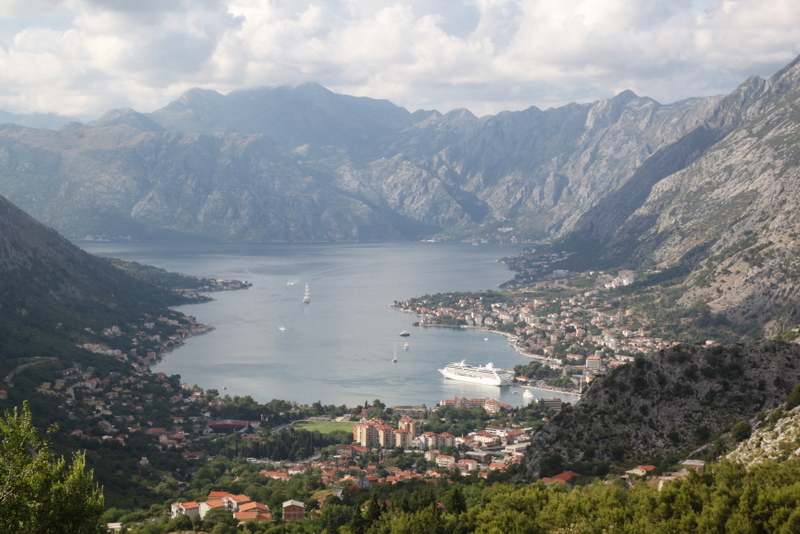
128, 117
198, 94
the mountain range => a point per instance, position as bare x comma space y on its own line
706, 185
306, 164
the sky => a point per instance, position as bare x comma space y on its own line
84, 57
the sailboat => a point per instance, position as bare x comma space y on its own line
528, 394
307, 295
394, 360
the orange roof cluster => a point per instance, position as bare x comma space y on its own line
561, 478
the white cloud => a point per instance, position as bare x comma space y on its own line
86, 56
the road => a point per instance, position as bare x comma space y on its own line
39, 360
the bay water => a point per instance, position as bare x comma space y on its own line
338, 348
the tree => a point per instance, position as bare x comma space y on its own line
39, 492
741, 430
216, 517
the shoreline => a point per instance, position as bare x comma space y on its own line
552, 389
512, 341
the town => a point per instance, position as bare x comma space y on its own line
571, 331
573, 322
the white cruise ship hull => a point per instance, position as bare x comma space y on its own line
477, 376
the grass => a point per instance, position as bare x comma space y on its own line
325, 427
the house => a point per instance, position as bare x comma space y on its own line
277, 475
293, 510
253, 511
516, 450
234, 503
189, 509
485, 437
251, 516
640, 470
254, 507
467, 465
566, 476
228, 425
214, 502
443, 460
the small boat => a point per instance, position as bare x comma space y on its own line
394, 360
404, 334
307, 296
405, 347
528, 394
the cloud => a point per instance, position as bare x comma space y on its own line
83, 57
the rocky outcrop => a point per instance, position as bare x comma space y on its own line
777, 440
676, 401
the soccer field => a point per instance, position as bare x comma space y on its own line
325, 426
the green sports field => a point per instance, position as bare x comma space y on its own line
325, 426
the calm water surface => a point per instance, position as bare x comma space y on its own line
338, 348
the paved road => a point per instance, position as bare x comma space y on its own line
39, 360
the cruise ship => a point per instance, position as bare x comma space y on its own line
488, 374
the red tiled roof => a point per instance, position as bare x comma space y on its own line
566, 476
249, 507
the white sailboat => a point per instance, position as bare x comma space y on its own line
394, 360
528, 394
307, 295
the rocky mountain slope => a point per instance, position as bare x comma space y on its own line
776, 440
674, 402
124, 175
729, 214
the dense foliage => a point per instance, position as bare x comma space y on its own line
40, 492
723, 497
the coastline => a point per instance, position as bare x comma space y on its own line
552, 389
512, 340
